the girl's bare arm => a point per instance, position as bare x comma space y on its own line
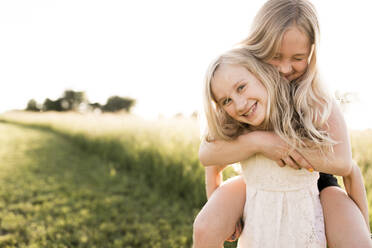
339, 161
272, 146
213, 178
221, 152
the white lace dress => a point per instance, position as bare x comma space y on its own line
282, 207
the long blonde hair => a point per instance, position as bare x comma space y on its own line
312, 103
280, 114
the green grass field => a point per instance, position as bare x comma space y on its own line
72, 180
54, 194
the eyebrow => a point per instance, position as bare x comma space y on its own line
297, 54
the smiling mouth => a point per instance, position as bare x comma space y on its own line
251, 110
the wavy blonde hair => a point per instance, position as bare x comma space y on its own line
280, 115
312, 103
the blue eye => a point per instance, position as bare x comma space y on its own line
241, 87
226, 101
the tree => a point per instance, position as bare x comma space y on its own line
116, 103
50, 105
95, 106
71, 100
32, 106
77, 101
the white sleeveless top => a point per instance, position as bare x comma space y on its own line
282, 207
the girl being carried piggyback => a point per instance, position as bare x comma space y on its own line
282, 205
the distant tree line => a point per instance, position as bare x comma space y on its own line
77, 101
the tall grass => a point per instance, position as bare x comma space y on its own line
162, 153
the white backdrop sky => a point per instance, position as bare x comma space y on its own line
157, 51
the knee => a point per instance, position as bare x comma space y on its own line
332, 195
202, 237
199, 232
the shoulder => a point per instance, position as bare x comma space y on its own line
336, 117
335, 125
327, 115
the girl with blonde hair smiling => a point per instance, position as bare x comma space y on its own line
282, 205
285, 34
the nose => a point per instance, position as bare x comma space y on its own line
285, 68
240, 104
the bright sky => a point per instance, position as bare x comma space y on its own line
157, 51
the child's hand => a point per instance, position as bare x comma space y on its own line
274, 148
237, 232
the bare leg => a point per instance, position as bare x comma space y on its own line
216, 221
344, 223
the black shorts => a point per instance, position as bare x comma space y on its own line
326, 180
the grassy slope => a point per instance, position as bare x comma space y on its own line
163, 153
53, 194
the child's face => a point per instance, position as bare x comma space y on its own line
240, 94
292, 58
